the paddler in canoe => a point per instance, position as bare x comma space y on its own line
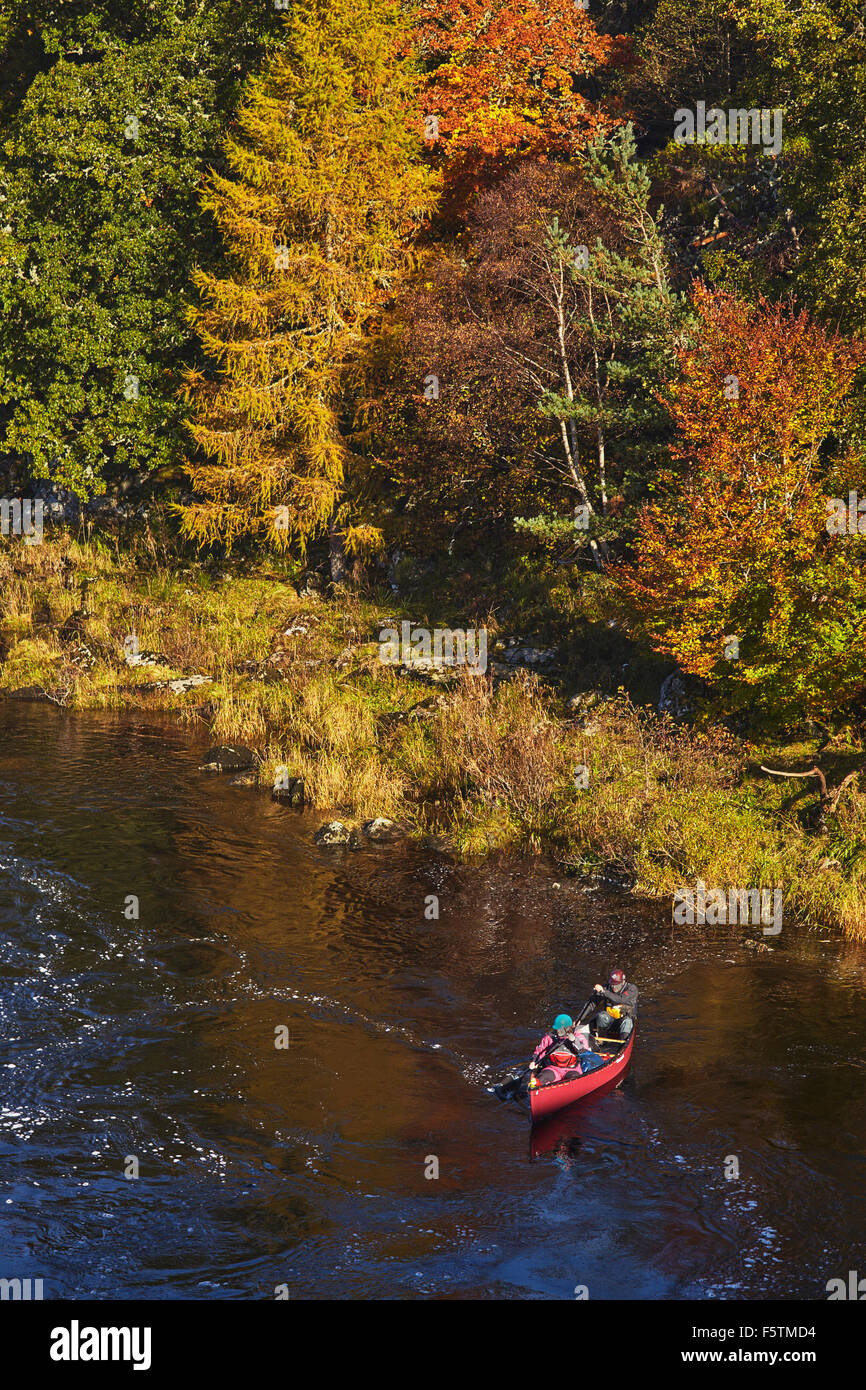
617, 1007
564, 1051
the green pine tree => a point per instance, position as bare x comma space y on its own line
627, 317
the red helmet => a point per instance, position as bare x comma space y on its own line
617, 979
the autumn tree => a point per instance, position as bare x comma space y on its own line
324, 190
508, 77
494, 353
461, 445
685, 51
470, 351
736, 576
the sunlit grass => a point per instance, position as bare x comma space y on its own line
489, 770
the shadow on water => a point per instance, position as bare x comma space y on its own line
149, 1042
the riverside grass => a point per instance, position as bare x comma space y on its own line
298, 678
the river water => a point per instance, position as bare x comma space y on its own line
151, 1042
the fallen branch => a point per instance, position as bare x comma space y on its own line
829, 800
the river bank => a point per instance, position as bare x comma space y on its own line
521, 758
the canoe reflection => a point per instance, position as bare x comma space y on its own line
563, 1132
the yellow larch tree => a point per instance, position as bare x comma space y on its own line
324, 192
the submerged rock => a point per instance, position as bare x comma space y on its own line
289, 789
333, 833
439, 844
227, 758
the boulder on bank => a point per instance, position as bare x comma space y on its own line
536, 658
382, 831
579, 705
182, 684
677, 697
138, 658
228, 758
332, 833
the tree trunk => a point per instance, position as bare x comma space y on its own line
567, 429
599, 396
337, 553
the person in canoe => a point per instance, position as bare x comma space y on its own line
561, 1051
617, 1007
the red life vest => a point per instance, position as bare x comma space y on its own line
563, 1058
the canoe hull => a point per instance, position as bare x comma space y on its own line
546, 1100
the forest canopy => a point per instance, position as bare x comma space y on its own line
571, 295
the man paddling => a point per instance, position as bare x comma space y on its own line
617, 1007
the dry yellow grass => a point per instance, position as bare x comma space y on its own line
297, 680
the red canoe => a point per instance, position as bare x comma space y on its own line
544, 1100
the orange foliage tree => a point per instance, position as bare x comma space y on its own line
737, 576
504, 78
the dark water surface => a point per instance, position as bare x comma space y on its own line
306, 1166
